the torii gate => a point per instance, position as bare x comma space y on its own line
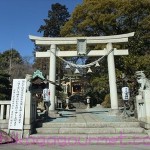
53, 42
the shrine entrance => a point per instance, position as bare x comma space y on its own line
81, 43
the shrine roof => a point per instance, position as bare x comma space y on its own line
38, 74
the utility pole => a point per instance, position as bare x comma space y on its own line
10, 61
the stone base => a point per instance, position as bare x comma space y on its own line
99, 106
67, 108
148, 132
88, 106
114, 112
28, 129
5, 138
19, 134
53, 114
145, 125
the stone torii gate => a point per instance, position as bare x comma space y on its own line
53, 42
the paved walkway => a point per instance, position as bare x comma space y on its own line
96, 114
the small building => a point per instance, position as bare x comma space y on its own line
72, 85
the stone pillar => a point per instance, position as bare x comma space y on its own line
27, 115
146, 96
112, 78
67, 103
52, 76
56, 101
28, 124
140, 107
88, 102
70, 87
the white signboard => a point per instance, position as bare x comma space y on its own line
125, 93
17, 104
46, 95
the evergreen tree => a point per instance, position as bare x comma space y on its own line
57, 17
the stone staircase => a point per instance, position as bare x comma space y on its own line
87, 128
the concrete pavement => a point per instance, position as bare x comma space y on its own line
74, 147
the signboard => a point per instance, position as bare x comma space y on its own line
46, 95
81, 46
17, 104
125, 93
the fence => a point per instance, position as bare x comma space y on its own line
4, 109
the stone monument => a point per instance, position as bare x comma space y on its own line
143, 99
143, 81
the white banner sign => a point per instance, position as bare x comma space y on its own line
125, 93
46, 95
17, 104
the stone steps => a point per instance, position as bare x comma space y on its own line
74, 133
89, 130
91, 125
86, 139
83, 136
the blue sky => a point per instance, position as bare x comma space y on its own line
19, 18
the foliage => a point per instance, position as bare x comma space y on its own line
5, 88
111, 17
8, 58
19, 71
96, 97
14, 64
100, 83
57, 17
132, 63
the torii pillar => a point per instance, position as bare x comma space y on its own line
52, 76
108, 40
112, 77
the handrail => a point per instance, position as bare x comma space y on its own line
5, 102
